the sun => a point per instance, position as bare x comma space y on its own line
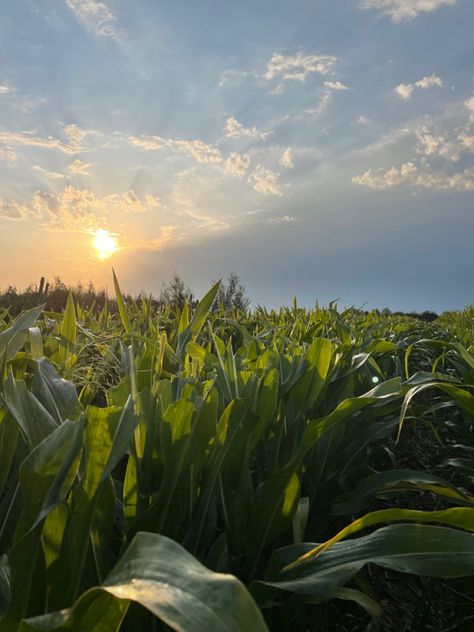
104, 243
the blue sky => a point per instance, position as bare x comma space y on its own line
318, 149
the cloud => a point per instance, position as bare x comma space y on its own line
285, 219
411, 175
50, 174
362, 120
79, 168
96, 17
467, 141
404, 10
4, 88
8, 155
202, 152
29, 139
75, 136
75, 209
265, 181
287, 159
470, 106
167, 234
149, 143
234, 129
319, 108
298, 67
335, 85
237, 164
430, 144
405, 90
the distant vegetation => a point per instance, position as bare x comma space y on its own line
176, 293
201, 466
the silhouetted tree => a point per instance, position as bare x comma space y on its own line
175, 293
232, 294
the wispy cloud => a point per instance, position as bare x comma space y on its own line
54, 175
8, 155
202, 152
234, 129
432, 144
74, 134
265, 181
97, 17
421, 177
405, 90
298, 67
75, 209
237, 164
79, 168
335, 85
322, 105
404, 10
31, 140
4, 88
284, 219
287, 159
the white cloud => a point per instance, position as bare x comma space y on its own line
470, 106
96, 17
405, 90
75, 136
287, 158
265, 181
401, 10
234, 129
149, 143
54, 175
467, 141
79, 168
4, 88
319, 108
29, 139
298, 67
410, 175
284, 219
237, 164
430, 144
335, 85
75, 209
362, 120
202, 152
8, 155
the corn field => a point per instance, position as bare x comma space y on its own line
202, 470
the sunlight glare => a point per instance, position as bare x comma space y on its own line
104, 243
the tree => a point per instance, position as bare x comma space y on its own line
232, 295
175, 293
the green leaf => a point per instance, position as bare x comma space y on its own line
159, 574
198, 319
13, 338
121, 306
461, 517
67, 341
425, 550
396, 481
34, 420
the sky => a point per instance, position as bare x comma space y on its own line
323, 150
